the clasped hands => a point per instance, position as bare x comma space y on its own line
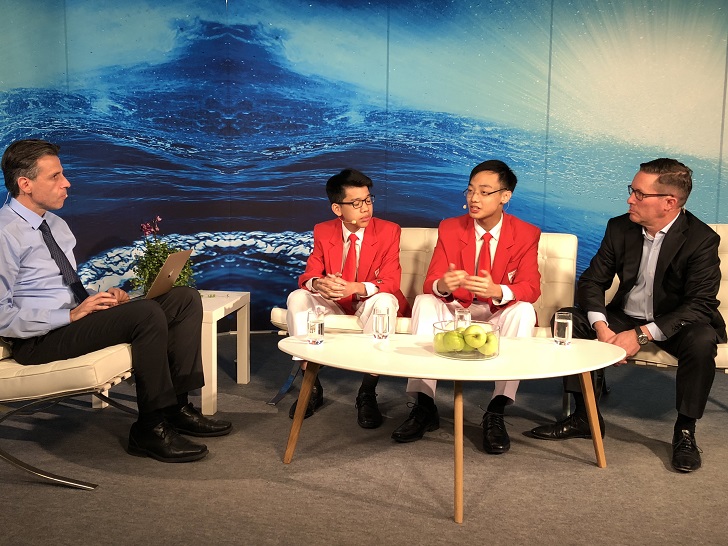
627, 340
99, 302
481, 286
334, 287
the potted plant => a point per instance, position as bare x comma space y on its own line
150, 261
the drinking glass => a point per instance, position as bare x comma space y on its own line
462, 318
315, 326
563, 325
381, 323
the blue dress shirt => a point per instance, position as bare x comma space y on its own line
33, 298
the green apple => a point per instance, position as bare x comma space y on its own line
475, 336
490, 347
454, 341
439, 342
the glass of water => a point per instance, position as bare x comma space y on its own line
563, 324
381, 323
462, 318
315, 325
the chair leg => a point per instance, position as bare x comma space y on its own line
287, 385
106, 400
54, 478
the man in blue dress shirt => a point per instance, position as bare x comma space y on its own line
45, 318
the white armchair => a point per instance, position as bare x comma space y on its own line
94, 373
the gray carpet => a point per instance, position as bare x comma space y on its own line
347, 485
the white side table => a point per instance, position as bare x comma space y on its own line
216, 305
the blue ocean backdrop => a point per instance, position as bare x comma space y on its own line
232, 146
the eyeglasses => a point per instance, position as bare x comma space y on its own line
469, 193
640, 196
357, 203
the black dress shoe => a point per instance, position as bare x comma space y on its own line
164, 444
190, 420
574, 426
421, 419
685, 452
495, 435
368, 414
314, 403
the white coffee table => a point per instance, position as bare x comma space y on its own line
216, 305
404, 355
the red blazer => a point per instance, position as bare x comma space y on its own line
515, 263
378, 258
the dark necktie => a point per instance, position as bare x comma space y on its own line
349, 273
70, 277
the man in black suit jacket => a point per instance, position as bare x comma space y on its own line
669, 273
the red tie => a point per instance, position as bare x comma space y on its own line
349, 273
484, 263
484, 259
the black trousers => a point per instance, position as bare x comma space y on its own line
694, 346
165, 336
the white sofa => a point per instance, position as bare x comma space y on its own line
557, 263
556, 260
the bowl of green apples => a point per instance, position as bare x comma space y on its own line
478, 341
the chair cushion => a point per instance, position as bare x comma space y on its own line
18, 382
4, 350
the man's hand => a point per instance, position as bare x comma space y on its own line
627, 340
119, 294
97, 302
451, 280
331, 287
483, 287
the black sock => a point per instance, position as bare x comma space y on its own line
685, 423
498, 404
424, 400
150, 419
579, 405
369, 384
182, 400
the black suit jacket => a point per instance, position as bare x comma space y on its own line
687, 276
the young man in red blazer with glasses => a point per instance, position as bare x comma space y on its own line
500, 287
372, 245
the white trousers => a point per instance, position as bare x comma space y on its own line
300, 301
516, 320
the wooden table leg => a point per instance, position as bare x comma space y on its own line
458, 430
587, 390
309, 378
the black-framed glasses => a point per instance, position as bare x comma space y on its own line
469, 193
357, 203
640, 195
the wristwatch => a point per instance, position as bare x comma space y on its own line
641, 336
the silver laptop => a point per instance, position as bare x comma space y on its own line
167, 275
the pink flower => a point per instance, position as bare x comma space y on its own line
151, 228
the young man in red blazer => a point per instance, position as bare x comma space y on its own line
375, 244
501, 289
